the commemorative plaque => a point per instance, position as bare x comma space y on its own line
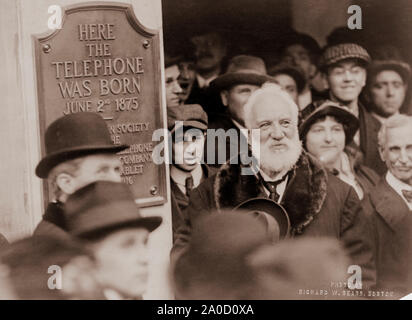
103, 60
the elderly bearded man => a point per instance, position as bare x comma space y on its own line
318, 204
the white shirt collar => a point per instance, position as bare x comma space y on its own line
112, 295
398, 186
380, 118
204, 83
179, 176
280, 188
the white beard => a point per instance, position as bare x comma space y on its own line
275, 163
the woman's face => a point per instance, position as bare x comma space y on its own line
326, 140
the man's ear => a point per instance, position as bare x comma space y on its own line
312, 71
224, 96
382, 153
66, 183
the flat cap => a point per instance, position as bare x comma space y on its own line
343, 51
192, 115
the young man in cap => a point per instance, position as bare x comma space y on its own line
79, 151
105, 216
302, 51
390, 206
345, 68
188, 125
244, 75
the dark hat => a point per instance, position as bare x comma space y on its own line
242, 69
294, 72
103, 206
264, 209
73, 136
214, 264
192, 115
343, 51
402, 68
304, 40
319, 109
171, 60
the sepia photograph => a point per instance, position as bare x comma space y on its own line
179, 152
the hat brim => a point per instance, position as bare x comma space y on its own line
270, 207
402, 69
190, 123
346, 117
295, 74
233, 78
148, 223
50, 161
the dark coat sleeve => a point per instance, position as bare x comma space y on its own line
3, 242
200, 204
357, 237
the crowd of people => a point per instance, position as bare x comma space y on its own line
289, 177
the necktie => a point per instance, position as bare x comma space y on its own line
408, 195
271, 186
189, 184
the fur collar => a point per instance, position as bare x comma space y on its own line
304, 195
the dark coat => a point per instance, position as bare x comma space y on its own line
368, 130
318, 204
366, 177
180, 201
3, 242
222, 143
53, 223
392, 222
208, 98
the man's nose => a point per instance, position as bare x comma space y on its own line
403, 157
176, 87
390, 91
114, 175
348, 76
277, 132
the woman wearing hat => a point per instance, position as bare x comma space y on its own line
326, 130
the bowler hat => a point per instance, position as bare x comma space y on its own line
343, 51
263, 209
191, 115
103, 206
319, 109
73, 136
242, 69
295, 73
402, 68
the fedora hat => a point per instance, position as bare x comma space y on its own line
242, 69
104, 206
322, 108
264, 210
73, 136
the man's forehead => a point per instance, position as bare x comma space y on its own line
399, 135
296, 48
211, 36
272, 104
386, 73
172, 70
347, 63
